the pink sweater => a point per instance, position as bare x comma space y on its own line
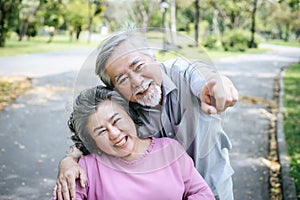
164, 172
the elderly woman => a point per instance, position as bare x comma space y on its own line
123, 166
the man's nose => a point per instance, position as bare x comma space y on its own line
135, 79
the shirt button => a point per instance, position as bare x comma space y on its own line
170, 134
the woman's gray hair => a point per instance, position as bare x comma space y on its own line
85, 105
111, 43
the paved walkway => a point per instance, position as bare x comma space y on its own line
248, 124
34, 135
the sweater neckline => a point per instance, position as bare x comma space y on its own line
139, 159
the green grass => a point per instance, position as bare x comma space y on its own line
292, 120
281, 42
216, 54
200, 52
40, 44
205, 54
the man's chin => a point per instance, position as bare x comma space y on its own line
147, 104
151, 98
149, 101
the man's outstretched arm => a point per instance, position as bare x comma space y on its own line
69, 171
218, 94
215, 91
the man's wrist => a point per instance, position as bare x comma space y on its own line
74, 153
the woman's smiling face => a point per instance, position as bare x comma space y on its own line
113, 130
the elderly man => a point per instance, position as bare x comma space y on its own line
177, 99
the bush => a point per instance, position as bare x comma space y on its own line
236, 40
210, 41
32, 29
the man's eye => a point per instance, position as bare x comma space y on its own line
139, 67
122, 80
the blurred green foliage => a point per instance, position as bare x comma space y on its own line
238, 40
39, 44
270, 19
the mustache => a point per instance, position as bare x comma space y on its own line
142, 87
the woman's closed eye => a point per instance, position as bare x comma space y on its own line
116, 120
101, 132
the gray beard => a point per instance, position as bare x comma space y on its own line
152, 98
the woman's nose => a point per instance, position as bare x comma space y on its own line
114, 133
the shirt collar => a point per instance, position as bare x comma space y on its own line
167, 84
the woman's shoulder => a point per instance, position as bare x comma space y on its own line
87, 160
166, 141
168, 144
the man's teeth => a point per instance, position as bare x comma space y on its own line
119, 144
143, 88
141, 92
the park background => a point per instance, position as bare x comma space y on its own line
221, 28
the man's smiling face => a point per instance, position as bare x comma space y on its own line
136, 76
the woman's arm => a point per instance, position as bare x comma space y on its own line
195, 186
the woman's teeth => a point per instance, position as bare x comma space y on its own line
121, 142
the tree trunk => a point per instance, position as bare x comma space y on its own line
164, 23
2, 32
173, 21
144, 16
253, 14
78, 31
90, 17
52, 34
232, 21
9, 11
196, 22
22, 28
280, 32
51, 37
90, 30
71, 35
70, 30
287, 32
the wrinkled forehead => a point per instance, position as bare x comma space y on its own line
108, 105
105, 104
122, 59
109, 108
105, 110
124, 49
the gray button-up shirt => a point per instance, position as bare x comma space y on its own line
180, 117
